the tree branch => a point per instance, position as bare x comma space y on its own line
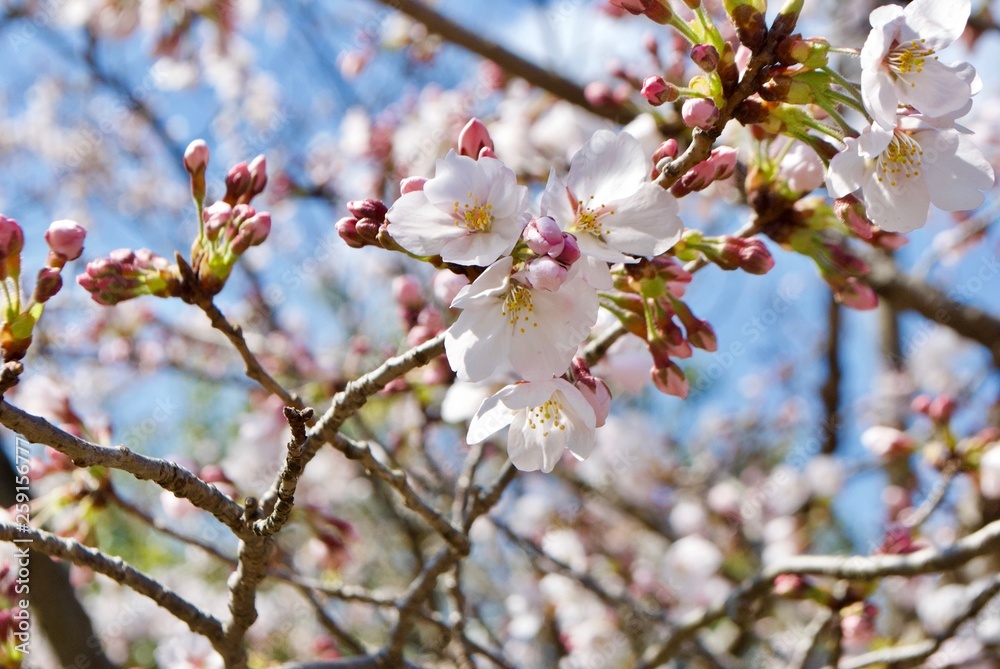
167, 475
912, 294
511, 62
855, 567
119, 571
288, 478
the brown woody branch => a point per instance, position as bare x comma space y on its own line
167, 475
458, 34
119, 571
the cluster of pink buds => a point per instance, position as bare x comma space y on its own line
844, 273
230, 226
367, 219
555, 252
652, 9
650, 306
851, 212
126, 274
719, 165
729, 253
65, 240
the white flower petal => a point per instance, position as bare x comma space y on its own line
846, 172
900, 208
957, 177
492, 417
418, 226
645, 224
940, 22
477, 343
608, 167
938, 89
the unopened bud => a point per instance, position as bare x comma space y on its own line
598, 94
196, 157
258, 175
699, 113
546, 273
237, 182
347, 229
942, 408
48, 284
543, 236
670, 379
705, 56
658, 91
370, 208
593, 389
65, 238
473, 138
571, 250
856, 295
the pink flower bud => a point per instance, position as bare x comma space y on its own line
48, 284
942, 408
658, 91
789, 585
755, 258
543, 236
856, 295
699, 113
65, 238
593, 389
237, 182
11, 237
258, 227
407, 292
598, 94
368, 230
258, 175
411, 184
851, 211
546, 273
216, 217
473, 139
571, 250
347, 229
921, 404
705, 56
669, 379
370, 208
196, 157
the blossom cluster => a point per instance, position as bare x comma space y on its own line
536, 275
914, 153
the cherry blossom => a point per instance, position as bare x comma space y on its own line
505, 319
899, 65
609, 204
903, 171
471, 212
545, 418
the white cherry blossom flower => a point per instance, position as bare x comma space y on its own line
610, 205
505, 319
545, 418
471, 212
903, 171
899, 65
